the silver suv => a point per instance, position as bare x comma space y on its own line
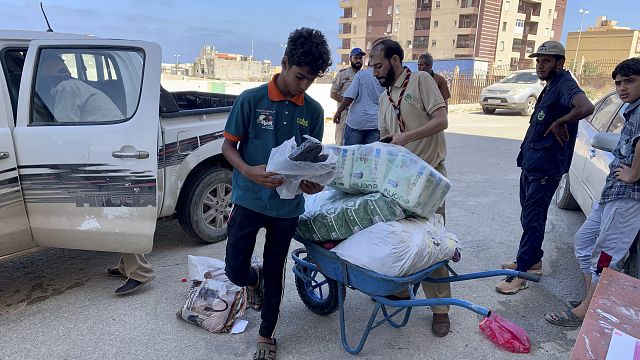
518, 91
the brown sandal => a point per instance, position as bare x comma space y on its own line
266, 351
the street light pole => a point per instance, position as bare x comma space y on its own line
583, 12
177, 56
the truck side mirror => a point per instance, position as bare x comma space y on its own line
605, 141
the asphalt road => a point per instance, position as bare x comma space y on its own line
57, 304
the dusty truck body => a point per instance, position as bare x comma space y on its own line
96, 181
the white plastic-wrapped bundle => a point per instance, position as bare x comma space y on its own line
399, 248
393, 171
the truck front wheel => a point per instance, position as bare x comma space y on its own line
205, 206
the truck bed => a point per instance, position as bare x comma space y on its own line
185, 103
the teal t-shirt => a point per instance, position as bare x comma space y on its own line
260, 120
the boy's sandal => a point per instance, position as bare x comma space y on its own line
266, 351
572, 304
564, 318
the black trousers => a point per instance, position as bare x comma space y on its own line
535, 197
242, 230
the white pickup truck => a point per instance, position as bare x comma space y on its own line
86, 179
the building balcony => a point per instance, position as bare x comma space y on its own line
466, 31
346, 3
344, 20
421, 32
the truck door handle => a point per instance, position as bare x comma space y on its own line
4, 155
592, 153
130, 155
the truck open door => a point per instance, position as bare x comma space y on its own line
15, 235
86, 138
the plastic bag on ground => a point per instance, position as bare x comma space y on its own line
399, 248
293, 172
505, 334
213, 303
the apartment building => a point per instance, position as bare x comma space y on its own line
502, 32
212, 64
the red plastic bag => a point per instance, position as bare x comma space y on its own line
506, 334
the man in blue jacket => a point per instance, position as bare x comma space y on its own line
545, 155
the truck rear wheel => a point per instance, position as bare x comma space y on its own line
205, 206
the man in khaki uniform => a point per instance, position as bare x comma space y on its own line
340, 85
135, 268
413, 113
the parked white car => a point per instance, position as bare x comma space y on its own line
598, 135
518, 91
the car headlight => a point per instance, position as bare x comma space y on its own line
516, 92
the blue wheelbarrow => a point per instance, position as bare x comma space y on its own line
322, 278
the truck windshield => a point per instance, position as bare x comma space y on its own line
521, 78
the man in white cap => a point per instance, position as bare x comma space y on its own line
340, 84
545, 155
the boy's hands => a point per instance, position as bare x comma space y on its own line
624, 173
309, 187
260, 175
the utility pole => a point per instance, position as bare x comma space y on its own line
583, 12
177, 56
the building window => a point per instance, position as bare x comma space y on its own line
397, 9
466, 41
547, 32
519, 29
353, 44
396, 26
421, 41
453, 42
409, 44
504, 26
370, 12
437, 4
501, 45
434, 43
469, 3
435, 24
368, 45
423, 23
355, 29
389, 10
468, 21
549, 14
553, 34
355, 13
555, 14
507, 5
369, 29
388, 27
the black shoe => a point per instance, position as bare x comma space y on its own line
113, 271
129, 286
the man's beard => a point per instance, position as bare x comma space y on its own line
356, 65
550, 75
389, 79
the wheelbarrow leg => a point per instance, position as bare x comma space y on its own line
343, 330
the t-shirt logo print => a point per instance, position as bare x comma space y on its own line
408, 97
541, 115
265, 120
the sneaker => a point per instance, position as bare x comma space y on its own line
511, 285
255, 297
535, 269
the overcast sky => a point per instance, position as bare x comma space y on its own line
183, 27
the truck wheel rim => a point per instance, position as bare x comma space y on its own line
216, 207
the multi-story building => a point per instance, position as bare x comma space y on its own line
603, 42
211, 64
501, 32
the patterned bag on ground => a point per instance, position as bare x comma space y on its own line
213, 303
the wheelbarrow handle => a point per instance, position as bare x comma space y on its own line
528, 276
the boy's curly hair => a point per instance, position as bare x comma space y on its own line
308, 48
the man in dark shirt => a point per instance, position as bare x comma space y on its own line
545, 155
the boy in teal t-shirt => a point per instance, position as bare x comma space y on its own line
261, 119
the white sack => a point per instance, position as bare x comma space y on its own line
399, 248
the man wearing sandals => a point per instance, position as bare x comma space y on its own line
261, 119
413, 114
545, 154
604, 239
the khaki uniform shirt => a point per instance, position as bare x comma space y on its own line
420, 100
342, 80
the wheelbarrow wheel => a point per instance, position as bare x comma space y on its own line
319, 295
